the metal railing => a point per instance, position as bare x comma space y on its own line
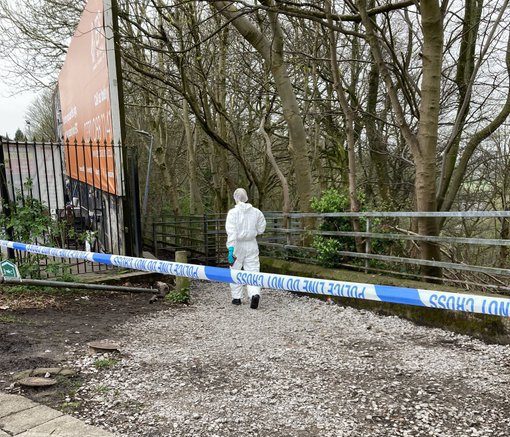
469, 242
76, 187
202, 235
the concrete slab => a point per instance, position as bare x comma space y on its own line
65, 426
24, 420
3, 434
10, 404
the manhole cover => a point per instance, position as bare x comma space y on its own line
37, 382
104, 346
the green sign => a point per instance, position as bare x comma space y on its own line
9, 269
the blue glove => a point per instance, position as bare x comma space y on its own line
231, 258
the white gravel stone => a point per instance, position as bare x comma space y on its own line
294, 367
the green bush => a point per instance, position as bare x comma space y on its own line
328, 246
327, 250
30, 222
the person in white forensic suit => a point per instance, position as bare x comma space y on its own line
244, 223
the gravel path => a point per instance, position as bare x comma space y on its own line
294, 367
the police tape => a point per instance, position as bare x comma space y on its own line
469, 303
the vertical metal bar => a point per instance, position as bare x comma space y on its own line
14, 200
91, 226
134, 190
368, 244
109, 249
287, 222
38, 183
84, 221
65, 146
154, 240
101, 197
58, 146
34, 148
39, 191
9, 144
20, 176
77, 180
219, 247
28, 168
46, 176
78, 187
48, 187
190, 225
117, 199
4, 193
62, 151
176, 236
205, 230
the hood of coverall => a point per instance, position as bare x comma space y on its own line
243, 210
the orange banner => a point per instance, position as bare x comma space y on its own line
85, 103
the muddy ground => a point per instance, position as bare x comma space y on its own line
40, 328
294, 367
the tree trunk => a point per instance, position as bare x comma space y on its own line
425, 158
424, 145
378, 150
349, 127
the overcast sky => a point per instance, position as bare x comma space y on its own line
12, 108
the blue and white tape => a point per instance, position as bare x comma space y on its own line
469, 303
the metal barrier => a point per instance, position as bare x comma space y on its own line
469, 303
389, 243
64, 193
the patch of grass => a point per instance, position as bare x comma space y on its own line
69, 385
103, 389
7, 318
178, 297
105, 363
70, 407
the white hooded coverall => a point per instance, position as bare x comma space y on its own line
244, 223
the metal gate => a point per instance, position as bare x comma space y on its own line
42, 203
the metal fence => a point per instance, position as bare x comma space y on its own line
203, 236
472, 250
65, 195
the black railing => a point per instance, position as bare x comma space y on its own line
64, 195
203, 236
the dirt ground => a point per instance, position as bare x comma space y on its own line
38, 328
305, 367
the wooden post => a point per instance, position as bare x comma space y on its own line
181, 283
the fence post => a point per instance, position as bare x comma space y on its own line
217, 249
368, 245
181, 283
287, 224
154, 240
205, 230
